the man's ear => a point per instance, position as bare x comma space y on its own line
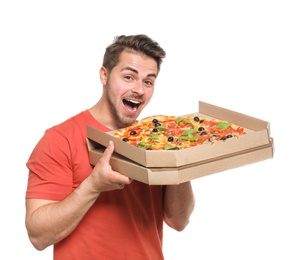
103, 75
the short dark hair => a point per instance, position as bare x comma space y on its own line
138, 43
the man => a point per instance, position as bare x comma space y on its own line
94, 212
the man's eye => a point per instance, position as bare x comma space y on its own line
128, 77
148, 82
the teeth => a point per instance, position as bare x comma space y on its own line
134, 102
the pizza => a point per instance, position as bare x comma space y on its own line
163, 132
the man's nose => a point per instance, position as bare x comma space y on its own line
138, 88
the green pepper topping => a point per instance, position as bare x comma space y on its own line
168, 147
189, 138
189, 132
187, 121
144, 144
154, 137
223, 125
178, 120
162, 128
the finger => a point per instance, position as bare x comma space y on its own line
107, 154
121, 185
124, 180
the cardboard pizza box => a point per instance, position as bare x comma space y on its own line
257, 136
177, 175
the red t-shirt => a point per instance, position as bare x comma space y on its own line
122, 224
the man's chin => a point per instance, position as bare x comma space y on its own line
128, 120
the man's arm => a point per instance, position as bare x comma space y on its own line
48, 222
179, 203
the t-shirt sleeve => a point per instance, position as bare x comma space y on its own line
50, 169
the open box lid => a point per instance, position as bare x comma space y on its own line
257, 134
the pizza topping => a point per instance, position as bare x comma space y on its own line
223, 125
170, 139
174, 133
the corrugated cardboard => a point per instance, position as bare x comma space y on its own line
177, 166
177, 175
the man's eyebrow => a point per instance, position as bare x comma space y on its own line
152, 75
129, 68
135, 71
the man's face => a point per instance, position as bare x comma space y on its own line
130, 86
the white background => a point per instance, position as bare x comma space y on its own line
235, 54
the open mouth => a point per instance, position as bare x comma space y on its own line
131, 104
